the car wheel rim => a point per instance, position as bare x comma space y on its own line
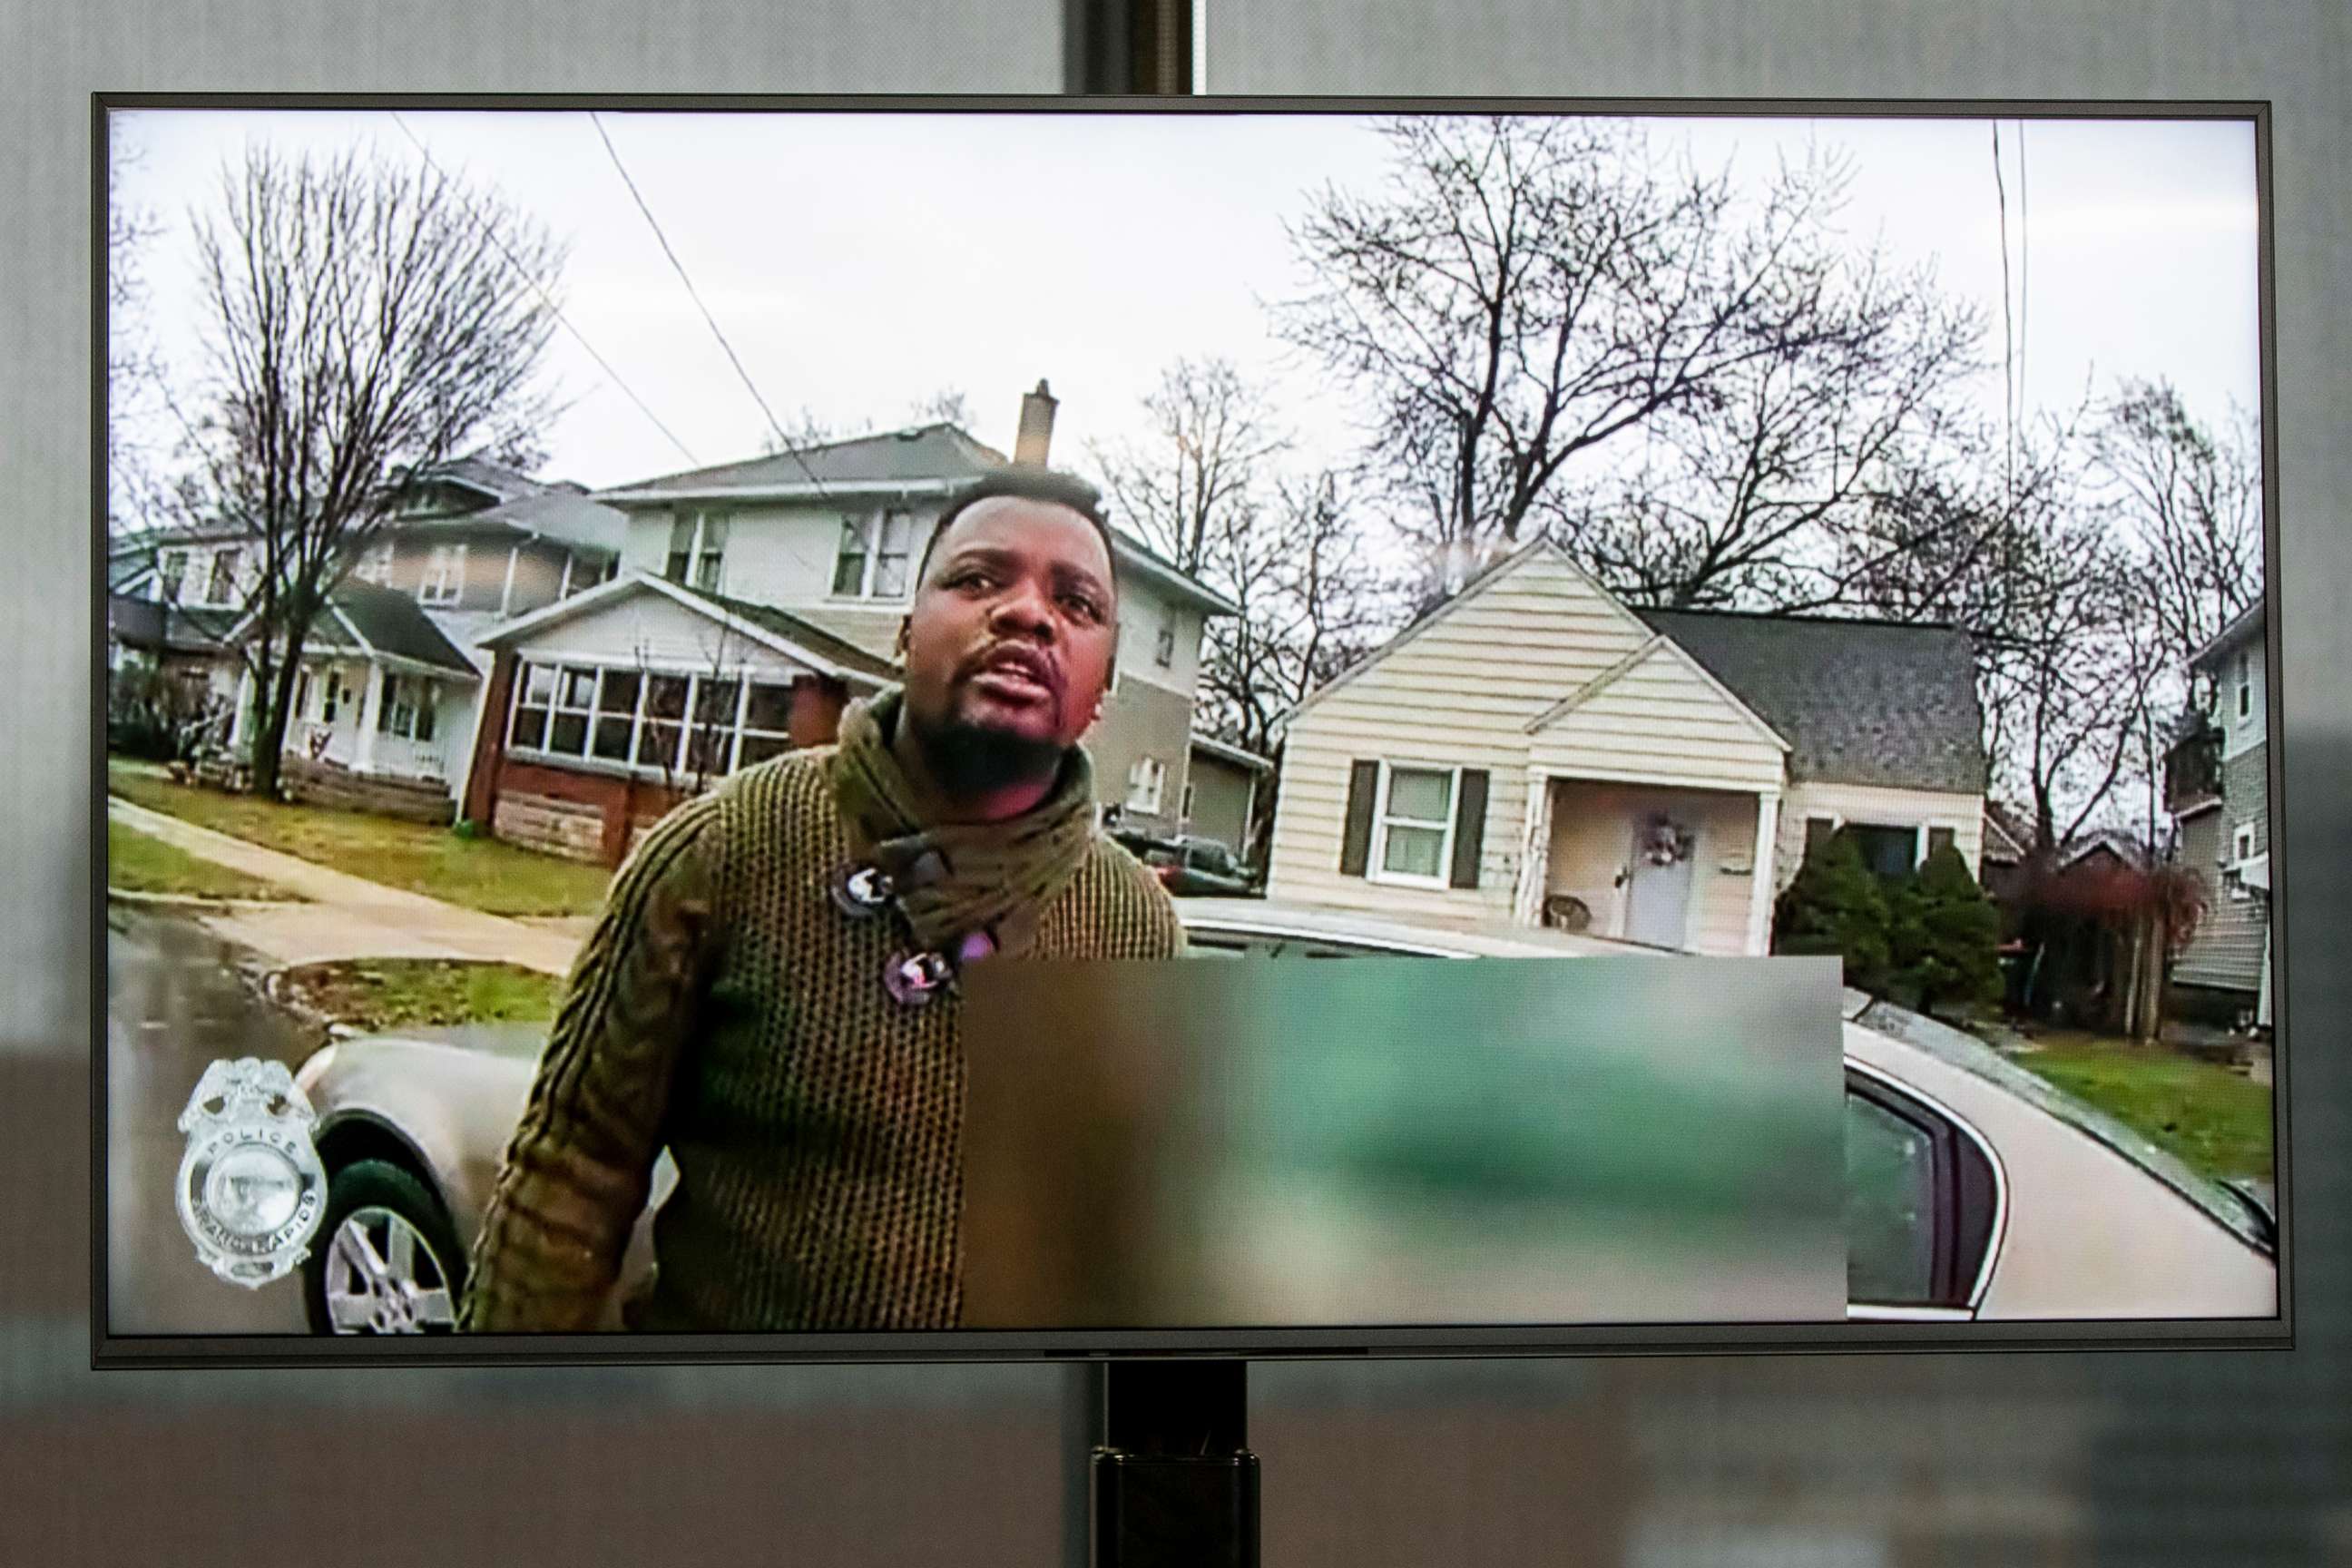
384, 1278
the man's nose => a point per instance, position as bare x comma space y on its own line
1023, 609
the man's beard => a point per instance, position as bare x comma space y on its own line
967, 760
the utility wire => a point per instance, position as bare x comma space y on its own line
577, 335
2008, 332
2025, 264
774, 426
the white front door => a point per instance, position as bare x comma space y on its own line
1658, 890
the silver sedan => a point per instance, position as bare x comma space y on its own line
1975, 1191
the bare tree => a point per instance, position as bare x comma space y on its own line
1740, 494
135, 498
1524, 290
947, 405
1212, 437
2191, 500
804, 431
2035, 568
367, 323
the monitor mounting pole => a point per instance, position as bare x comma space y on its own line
1173, 1481
1157, 1460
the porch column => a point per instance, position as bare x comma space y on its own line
1535, 852
240, 717
1762, 877
371, 708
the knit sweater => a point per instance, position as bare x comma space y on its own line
725, 1007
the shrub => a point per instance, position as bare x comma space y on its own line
1836, 905
1944, 935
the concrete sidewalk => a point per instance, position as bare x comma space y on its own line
349, 917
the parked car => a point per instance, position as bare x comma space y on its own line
1977, 1191
1197, 868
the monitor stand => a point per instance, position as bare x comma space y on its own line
1171, 1478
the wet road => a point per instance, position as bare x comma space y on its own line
174, 1003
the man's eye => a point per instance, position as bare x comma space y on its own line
1078, 604
969, 578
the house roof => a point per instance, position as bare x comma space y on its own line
150, 624
496, 480
2007, 833
2247, 626
793, 629
1861, 702
366, 618
928, 458
1224, 751
565, 515
778, 628
925, 454
2115, 842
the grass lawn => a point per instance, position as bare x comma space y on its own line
479, 873
138, 864
374, 994
2216, 1120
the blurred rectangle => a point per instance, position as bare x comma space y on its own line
1404, 1141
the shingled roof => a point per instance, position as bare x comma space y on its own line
565, 516
791, 628
1859, 703
390, 622
926, 453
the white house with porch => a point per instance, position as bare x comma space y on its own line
1536, 750
383, 705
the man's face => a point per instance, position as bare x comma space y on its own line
1013, 626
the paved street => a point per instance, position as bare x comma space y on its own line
174, 1004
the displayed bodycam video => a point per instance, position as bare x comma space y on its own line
693, 701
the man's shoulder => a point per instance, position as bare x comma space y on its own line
801, 777
1127, 885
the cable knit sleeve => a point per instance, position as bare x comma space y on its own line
579, 1167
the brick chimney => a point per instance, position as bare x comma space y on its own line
1036, 436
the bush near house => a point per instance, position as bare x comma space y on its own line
1837, 905
1944, 936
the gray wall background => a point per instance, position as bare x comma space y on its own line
2129, 1457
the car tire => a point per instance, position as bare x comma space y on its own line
382, 1194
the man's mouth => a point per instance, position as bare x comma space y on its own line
1017, 674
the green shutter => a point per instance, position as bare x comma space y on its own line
1356, 844
1469, 827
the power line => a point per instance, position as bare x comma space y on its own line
601, 362
2008, 332
775, 426
2025, 264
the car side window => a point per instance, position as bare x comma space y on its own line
1920, 1201
1890, 1206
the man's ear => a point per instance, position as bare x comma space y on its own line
905, 623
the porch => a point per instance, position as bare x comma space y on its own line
1667, 865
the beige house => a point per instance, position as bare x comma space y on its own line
1538, 751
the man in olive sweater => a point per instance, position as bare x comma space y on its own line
771, 990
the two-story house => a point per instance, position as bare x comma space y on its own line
2216, 788
386, 696
755, 600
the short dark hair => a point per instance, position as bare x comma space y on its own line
1027, 481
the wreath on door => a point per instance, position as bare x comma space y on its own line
1666, 842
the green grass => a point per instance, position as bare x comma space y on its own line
139, 864
479, 873
2216, 1120
379, 993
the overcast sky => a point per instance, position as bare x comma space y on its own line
859, 263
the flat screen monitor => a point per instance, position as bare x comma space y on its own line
732, 730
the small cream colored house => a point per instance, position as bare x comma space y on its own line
1538, 751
